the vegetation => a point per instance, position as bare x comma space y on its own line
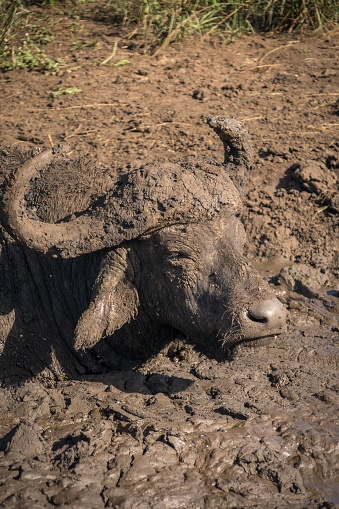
64, 91
28, 58
175, 18
157, 23
8, 11
27, 54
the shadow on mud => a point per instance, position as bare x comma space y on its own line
129, 381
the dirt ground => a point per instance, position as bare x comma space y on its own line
184, 430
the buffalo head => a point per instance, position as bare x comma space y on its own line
171, 243
209, 289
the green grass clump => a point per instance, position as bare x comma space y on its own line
30, 57
64, 91
154, 24
164, 17
292, 14
9, 10
25, 54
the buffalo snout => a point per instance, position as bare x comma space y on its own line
264, 317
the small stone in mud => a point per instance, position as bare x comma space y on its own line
288, 393
198, 94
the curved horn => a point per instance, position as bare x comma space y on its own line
149, 198
237, 147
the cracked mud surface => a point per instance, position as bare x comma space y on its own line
185, 431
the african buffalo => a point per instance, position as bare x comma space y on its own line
160, 249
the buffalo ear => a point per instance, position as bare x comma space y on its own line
114, 301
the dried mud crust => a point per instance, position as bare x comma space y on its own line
186, 431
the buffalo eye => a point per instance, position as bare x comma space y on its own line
178, 255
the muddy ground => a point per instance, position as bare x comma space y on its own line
259, 429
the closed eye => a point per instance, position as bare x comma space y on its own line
179, 255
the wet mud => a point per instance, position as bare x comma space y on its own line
185, 429
182, 431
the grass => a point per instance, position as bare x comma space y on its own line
64, 91
81, 45
112, 55
27, 54
29, 57
160, 22
154, 24
8, 13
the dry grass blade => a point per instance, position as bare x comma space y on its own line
263, 66
319, 211
279, 48
50, 140
174, 32
251, 119
80, 106
322, 127
112, 55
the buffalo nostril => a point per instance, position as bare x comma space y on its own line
270, 312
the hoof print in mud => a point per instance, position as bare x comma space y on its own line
160, 250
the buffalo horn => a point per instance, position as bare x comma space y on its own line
152, 197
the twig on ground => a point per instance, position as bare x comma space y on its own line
260, 67
251, 119
50, 140
289, 45
319, 211
112, 55
82, 133
79, 106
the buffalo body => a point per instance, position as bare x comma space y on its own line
108, 274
